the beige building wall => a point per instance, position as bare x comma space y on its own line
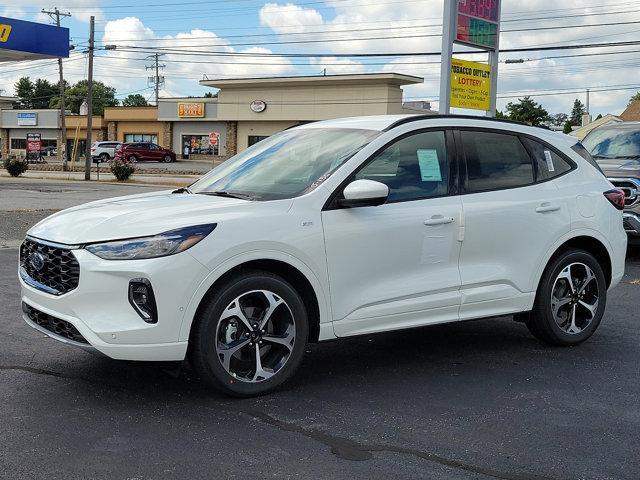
245, 129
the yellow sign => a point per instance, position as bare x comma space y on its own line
470, 84
5, 31
190, 110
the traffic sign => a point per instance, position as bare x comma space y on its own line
213, 138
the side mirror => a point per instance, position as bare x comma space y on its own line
364, 193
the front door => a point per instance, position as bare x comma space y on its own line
396, 265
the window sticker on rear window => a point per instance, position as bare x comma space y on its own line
549, 159
429, 165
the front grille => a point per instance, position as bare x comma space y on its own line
60, 327
49, 268
631, 189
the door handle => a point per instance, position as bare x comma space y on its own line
547, 207
438, 220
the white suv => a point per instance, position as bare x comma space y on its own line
104, 151
333, 229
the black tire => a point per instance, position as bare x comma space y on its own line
133, 158
541, 321
167, 159
104, 157
203, 354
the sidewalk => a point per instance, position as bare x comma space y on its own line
142, 179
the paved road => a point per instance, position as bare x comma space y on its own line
24, 202
474, 400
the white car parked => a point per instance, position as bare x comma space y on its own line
332, 229
104, 151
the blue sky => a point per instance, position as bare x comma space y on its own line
338, 27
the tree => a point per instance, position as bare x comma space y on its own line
24, 89
576, 113
211, 95
599, 116
103, 96
567, 127
135, 100
527, 111
634, 98
43, 92
559, 119
499, 114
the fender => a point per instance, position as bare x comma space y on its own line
326, 328
581, 232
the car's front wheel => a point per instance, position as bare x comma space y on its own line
570, 301
167, 159
104, 157
249, 336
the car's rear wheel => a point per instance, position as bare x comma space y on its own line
167, 159
250, 336
104, 157
570, 301
133, 158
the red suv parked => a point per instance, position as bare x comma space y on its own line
141, 151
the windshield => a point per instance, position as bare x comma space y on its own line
285, 165
607, 143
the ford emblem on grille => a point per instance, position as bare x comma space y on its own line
37, 260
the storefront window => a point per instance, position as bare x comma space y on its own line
140, 137
21, 143
253, 139
200, 144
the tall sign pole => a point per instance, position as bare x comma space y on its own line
493, 62
448, 34
473, 85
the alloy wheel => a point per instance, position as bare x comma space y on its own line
255, 336
574, 298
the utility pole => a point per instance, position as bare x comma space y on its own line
157, 80
87, 157
55, 15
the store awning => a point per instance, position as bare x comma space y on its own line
20, 40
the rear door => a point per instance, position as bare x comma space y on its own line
513, 214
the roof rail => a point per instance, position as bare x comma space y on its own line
415, 118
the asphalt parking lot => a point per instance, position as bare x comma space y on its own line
474, 400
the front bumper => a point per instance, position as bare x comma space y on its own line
100, 311
631, 222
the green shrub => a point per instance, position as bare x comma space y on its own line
122, 169
15, 166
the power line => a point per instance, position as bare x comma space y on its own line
133, 48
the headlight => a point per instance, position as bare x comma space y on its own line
161, 245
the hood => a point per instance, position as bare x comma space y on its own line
141, 215
620, 167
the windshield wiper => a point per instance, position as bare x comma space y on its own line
182, 190
224, 193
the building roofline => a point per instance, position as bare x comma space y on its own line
388, 78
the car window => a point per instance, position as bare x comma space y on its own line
613, 143
141, 146
548, 163
584, 153
153, 146
414, 167
495, 161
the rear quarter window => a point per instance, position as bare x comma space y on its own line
584, 153
548, 163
